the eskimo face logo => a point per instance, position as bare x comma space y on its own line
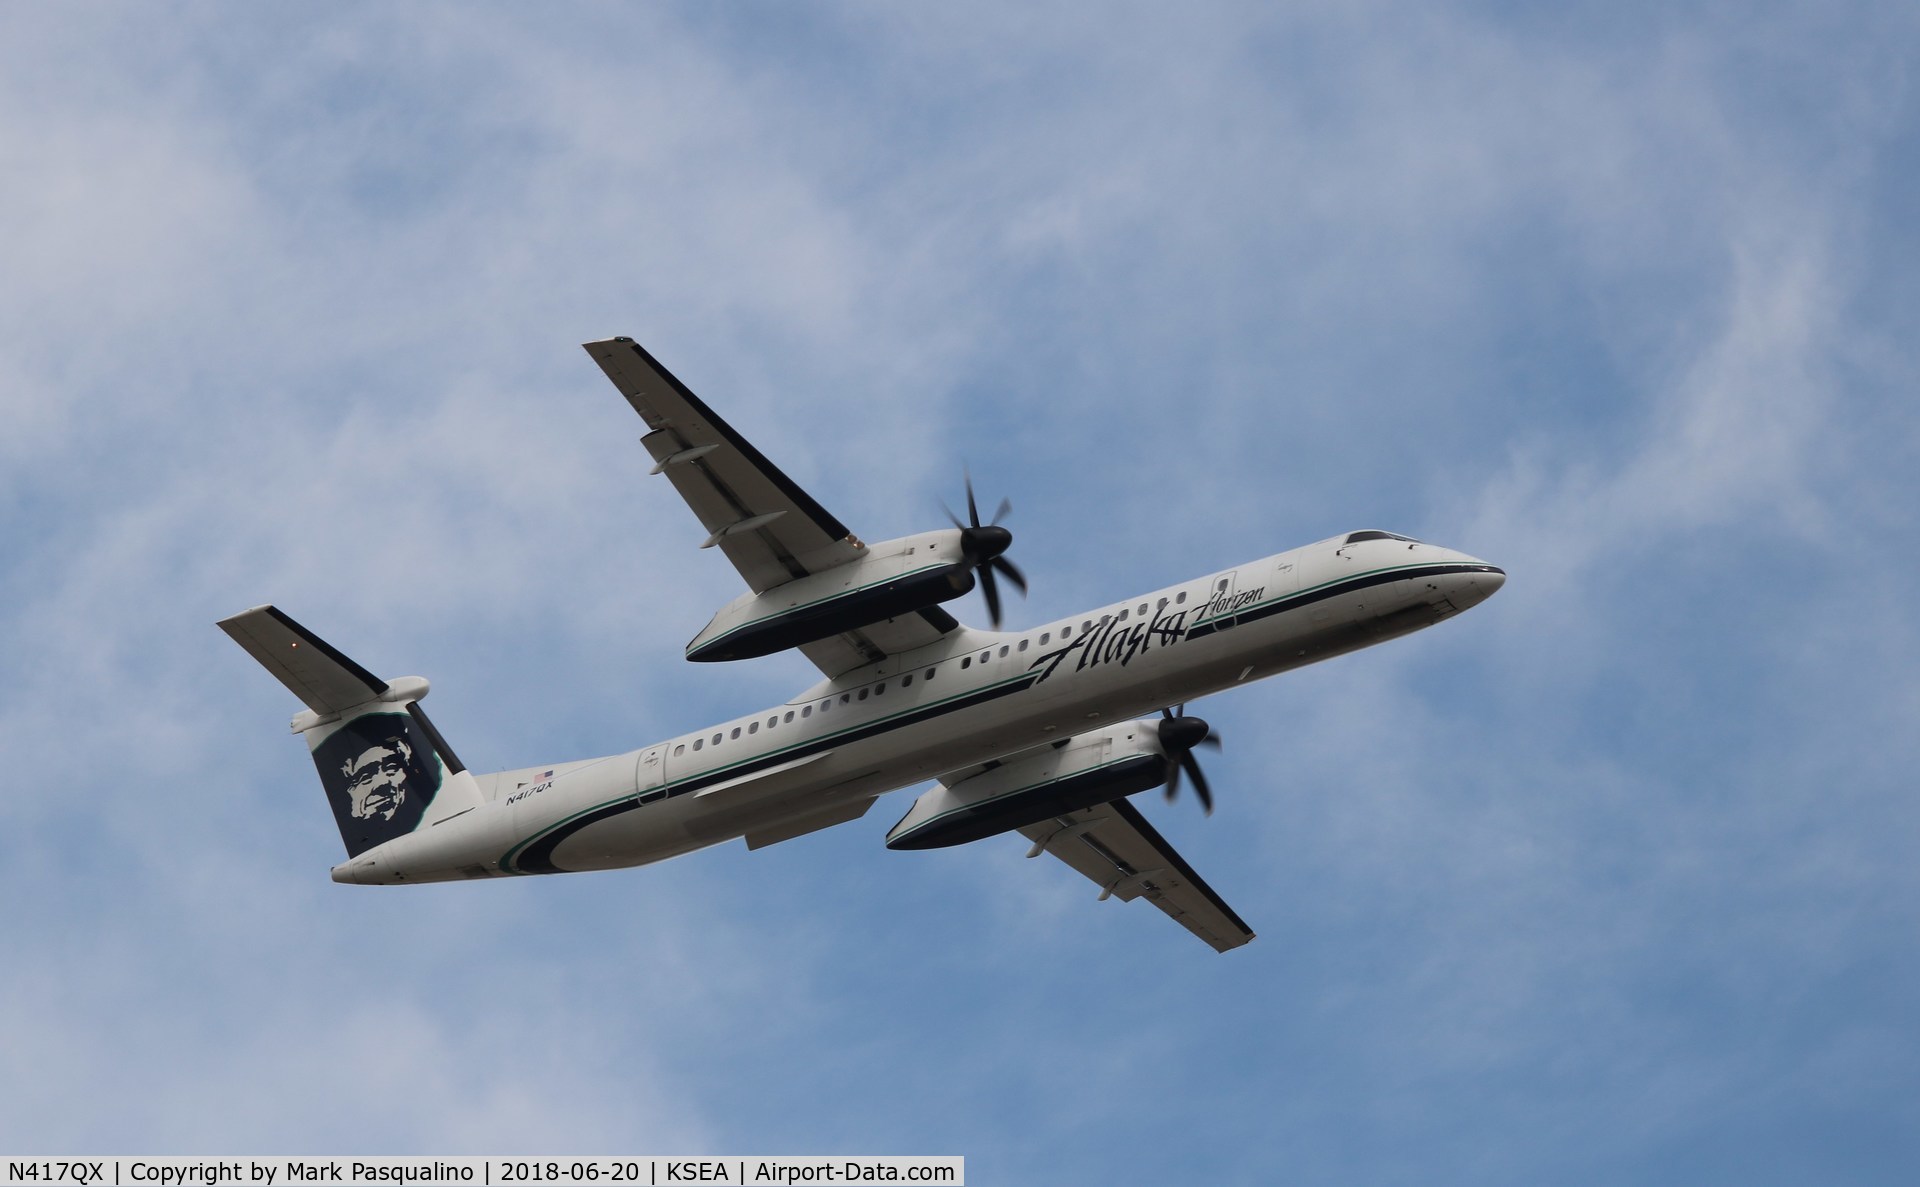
380, 774
377, 779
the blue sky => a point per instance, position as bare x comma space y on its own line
1610, 880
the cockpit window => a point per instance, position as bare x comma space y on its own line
1356, 537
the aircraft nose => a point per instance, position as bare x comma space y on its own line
1483, 581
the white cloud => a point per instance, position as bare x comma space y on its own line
291, 314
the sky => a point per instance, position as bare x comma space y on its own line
1610, 880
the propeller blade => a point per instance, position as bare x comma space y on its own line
1200, 787
1006, 567
1211, 742
973, 509
1173, 780
989, 588
1006, 505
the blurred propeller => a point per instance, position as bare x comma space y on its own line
1179, 734
982, 544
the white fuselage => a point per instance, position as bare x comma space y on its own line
974, 697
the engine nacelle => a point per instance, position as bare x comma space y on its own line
895, 577
1091, 768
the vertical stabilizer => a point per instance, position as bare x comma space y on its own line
386, 769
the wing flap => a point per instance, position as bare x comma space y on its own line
1115, 847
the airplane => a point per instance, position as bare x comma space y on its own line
1045, 731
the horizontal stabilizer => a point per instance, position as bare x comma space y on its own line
327, 681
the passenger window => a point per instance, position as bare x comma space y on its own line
773, 721
806, 710
697, 743
1044, 637
863, 694
1066, 632
847, 697
679, 750
1222, 585
1180, 599
826, 704
879, 688
906, 680
789, 716
716, 739
1161, 606
1003, 651
1123, 616
1143, 607
752, 727
1086, 626
1023, 644
735, 733
966, 661
929, 673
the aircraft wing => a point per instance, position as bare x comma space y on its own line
1125, 856
767, 526
770, 529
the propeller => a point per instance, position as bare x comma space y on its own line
982, 545
1179, 734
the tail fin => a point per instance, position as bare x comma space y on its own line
386, 770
